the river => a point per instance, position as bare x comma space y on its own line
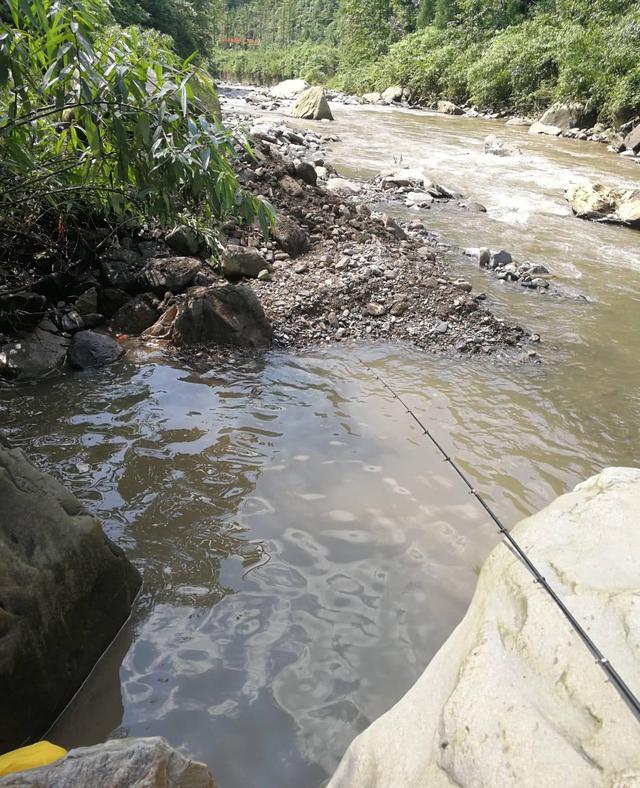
304, 551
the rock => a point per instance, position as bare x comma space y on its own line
87, 302
290, 236
568, 116
484, 257
392, 95
541, 128
136, 315
311, 105
32, 355
242, 261
65, 591
168, 273
394, 228
265, 275
306, 172
343, 187
111, 299
120, 268
90, 350
519, 122
632, 140
628, 210
421, 199
501, 258
593, 201
183, 240
21, 310
375, 310
226, 315
372, 98
513, 698
135, 763
291, 186
474, 207
448, 108
289, 88
497, 147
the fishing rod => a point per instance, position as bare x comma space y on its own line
612, 674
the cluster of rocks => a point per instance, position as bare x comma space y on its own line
531, 275
600, 203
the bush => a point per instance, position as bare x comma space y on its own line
108, 122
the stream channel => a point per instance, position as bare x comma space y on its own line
304, 550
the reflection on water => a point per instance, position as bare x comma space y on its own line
304, 551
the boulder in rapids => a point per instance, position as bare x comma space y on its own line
289, 88
567, 116
498, 147
628, 210
219, 315
448, 108
632, 140
602, 203
312, 105
514, 698
65, 591
136, 763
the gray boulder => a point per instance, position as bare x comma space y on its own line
87, 302
242, 261
372, 98
542, 128
89, 350
343, 187
289, 88
183, 240
65, 591
632, 140
119, 763
568, 116
448, 108
136, 315
168, 273
312, 105
226, 315
33, 355
392, 95
306, 172
290, 236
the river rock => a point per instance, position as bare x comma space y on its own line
168, 273
343, 187
89, 350
593, 201
111, 299
87, 302
290, 236
632, 140
121, 267
183, 240
372, 98
225, 315
136, 315
132, 763
628, 209
311, 105
448, 108
65, 591
541, 128
568, 116
33, 355
513, 698
289, 88
21, 310
392, 95
242, 261
519, 122
306, 172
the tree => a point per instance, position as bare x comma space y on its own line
426, 13
365, 31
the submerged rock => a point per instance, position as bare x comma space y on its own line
135, 763
514, 698
65, 591
312, 105
498, 147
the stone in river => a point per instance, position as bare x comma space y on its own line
312, 105
89, 350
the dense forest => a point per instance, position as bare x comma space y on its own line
499, 54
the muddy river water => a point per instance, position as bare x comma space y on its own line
304, 551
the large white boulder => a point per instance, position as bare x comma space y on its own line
289, 89
513, 698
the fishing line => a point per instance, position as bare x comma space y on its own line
612, 674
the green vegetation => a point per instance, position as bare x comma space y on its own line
104, 124
498, 54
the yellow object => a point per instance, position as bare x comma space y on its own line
39, 754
